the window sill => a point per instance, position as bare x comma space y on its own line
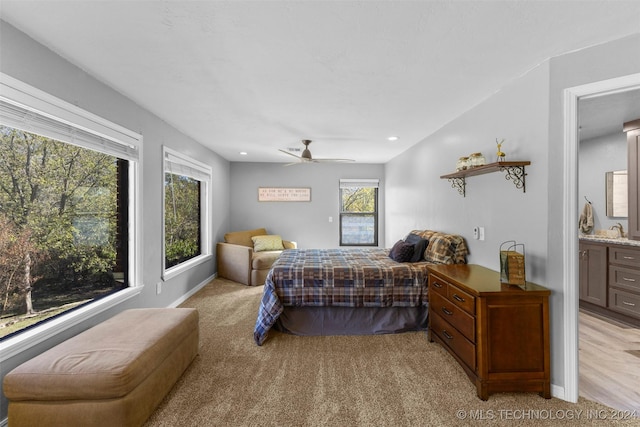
36, 335
180, 268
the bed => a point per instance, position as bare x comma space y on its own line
353, 291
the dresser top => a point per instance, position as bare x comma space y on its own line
481, 280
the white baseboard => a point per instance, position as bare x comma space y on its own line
559, 392
186, 296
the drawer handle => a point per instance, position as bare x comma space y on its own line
446, 311
629, 257
446, 335
458, 298
437, 285
628, 303
626, 279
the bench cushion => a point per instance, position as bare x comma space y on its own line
106, 361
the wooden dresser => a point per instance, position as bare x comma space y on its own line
498, 333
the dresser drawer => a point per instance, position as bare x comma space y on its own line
624, 256
462, 299
463, 322
438, 285
624, 277
624, 302
461, 346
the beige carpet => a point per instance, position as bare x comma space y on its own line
379, 380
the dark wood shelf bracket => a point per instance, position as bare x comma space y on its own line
459, 184
517, 175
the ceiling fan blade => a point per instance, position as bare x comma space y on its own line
333, 160
291, 154
307, 158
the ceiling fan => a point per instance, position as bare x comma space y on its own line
307, 158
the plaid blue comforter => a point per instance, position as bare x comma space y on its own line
358, 277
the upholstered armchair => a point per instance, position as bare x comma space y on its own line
247, 256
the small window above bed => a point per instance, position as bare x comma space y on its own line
359, 212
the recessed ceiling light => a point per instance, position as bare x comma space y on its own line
243, 153
393, 138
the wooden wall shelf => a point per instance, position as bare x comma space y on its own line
514, 171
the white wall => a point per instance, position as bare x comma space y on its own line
307, 223
26, 60
596, 157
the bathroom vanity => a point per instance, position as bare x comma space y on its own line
610, 277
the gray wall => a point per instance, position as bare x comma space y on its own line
596, 157
24, 59
528, 113
307, 223
603, 62
418, 198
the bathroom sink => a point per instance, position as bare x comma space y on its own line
609, 234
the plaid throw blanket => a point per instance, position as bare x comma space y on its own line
358, 277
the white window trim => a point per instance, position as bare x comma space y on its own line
203, 173
360, 183
21, 94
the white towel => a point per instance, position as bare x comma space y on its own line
585, 223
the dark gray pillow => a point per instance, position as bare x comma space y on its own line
418, 250
401, 251
419, 246
412, 238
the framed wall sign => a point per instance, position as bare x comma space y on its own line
278, 194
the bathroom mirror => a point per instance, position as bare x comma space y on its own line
616, 192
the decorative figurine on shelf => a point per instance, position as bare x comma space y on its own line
500, 154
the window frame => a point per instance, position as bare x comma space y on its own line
202, 172
360, 183
24, 96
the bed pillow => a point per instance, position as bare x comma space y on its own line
418, 250
419, 246
412, 238
444, 248
401, 251
270, 242
441, 249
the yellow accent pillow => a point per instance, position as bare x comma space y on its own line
270, 242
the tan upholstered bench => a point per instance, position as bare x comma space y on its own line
114, 374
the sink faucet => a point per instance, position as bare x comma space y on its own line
618, 227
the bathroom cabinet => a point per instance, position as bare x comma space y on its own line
610, 277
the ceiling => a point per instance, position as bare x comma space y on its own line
259, 76
605, 115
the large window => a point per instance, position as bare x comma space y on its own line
358, 212
66, 198
186, 212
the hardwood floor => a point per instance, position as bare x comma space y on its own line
609, 362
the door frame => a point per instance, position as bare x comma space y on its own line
572, 96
